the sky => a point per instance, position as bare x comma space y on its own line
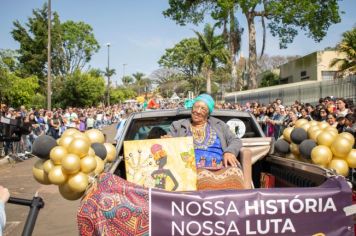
138, 32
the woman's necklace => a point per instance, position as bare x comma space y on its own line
199, 133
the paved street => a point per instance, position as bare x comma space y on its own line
58, 217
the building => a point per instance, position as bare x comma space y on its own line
312, 67
305, 79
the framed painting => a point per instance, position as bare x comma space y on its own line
167, 163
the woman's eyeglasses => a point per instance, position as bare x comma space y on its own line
200, 108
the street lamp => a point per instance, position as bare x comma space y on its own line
108, 74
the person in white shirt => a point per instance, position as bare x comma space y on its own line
71, 118
4, 197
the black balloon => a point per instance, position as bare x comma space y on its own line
99, 150
298, 135
42, 146
306, 147
281, 146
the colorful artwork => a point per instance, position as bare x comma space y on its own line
161, 163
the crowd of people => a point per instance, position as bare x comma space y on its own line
273, 117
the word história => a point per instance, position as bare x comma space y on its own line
230, 210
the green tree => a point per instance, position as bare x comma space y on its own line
212, 53
21, 91
121, 94
139, 77
72, 45
83, 89
284, 18
78, 45
127, 80
8, 60
269, 79
33, 43
183, 57
347, 47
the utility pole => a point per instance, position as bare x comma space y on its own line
49, 92
108, 71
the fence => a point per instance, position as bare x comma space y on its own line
304, 92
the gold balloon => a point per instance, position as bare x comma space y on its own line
326, 138
95, 136
111, 152
71, 163
294, 148
324, 125
332, 130
39, 174
88, 164
351, 158
340, 166
321, 155
341, 146
56, 176
82, 136
79, 147
65, 141
315, 134
78, 182
91, 152
306, 127
70, 132
99, 166
57, 153
291, 156
48, 165
299, 123
348, 136
312, 129
313, 123
68, 194
286, 133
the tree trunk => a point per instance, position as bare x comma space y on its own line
252, 60
233, 50
208, 80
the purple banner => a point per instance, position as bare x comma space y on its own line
281, 211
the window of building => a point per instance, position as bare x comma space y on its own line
303, 73
328, 75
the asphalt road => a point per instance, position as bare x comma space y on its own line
58, 217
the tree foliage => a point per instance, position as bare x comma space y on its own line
121, 94
284, 18
83, 89
127, 80
33, 39
72, 44
183, 57
347, 47
78, 45
269, 79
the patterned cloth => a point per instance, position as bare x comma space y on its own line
114, 207
208, 152
227, 178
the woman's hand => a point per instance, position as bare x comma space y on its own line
230, 159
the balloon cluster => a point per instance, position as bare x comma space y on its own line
318, 143
71, 160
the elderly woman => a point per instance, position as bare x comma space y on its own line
214, 143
